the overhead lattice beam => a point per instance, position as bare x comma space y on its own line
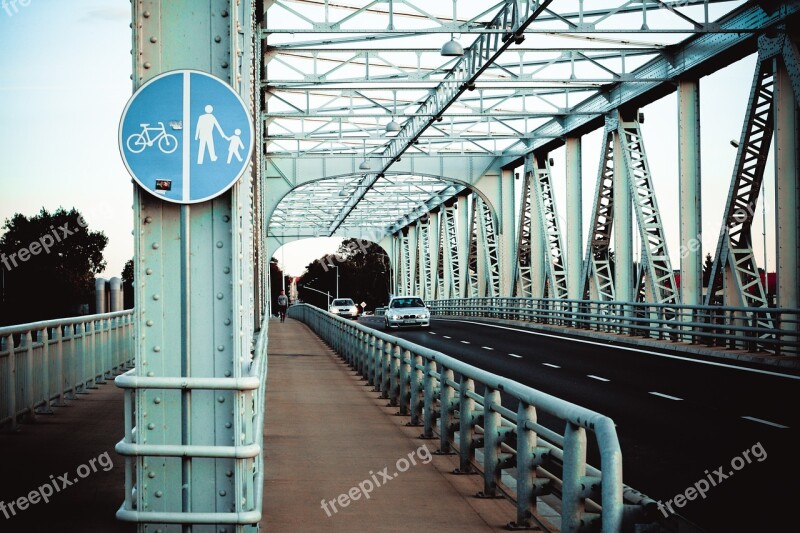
514, 16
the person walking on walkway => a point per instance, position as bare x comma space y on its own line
283, 303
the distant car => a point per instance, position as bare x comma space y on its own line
344, 307
368, 313
406, 311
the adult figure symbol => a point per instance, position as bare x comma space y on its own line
204, 133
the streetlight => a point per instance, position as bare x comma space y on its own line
337, 278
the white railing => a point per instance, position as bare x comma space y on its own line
44, 363
724, 327
492, 422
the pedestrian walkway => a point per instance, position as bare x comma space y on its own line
328, 438
77, 439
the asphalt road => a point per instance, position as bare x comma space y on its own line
679, 419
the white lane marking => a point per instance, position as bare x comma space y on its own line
487, 348
515, 355
551, 365
465, 342
767, 422
447, 337
667, 396
628, 348
598, 378
432, 332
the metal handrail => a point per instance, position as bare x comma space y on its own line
428, 386
248, 454
43, 363
723, 326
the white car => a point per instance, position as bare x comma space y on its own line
406, 311
344, 307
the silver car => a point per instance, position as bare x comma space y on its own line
406, 311
344, 307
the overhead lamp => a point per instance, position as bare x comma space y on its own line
452, 48
393, 126
365, 163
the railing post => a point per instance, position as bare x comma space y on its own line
11, 382
386, 370
80, 363
394, 376
446, 408
491, 443
528, 457
467, 418
30, 394
429, 411
416, 394
44, 338
574, 471
404, 385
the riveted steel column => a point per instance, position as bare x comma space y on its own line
786, 200
574, 218
191, 271
623, 227
434, 236
690, 202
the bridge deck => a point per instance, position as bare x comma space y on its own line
326, 433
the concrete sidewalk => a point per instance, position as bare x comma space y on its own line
327, 435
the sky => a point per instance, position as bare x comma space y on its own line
66, 79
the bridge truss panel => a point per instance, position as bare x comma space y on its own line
549, 226
655, 258
597, 272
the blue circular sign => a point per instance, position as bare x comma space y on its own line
186, 136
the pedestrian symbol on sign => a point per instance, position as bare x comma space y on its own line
204, 114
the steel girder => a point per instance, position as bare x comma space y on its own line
735, 270
489, 266
473, 268
538, 165
523, 285
425, 266
597, 273
655, 256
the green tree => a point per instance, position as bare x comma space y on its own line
49, 262
127, 284
363, 270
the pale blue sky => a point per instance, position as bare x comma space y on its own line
66, 78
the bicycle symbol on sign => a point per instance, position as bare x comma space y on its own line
167, 142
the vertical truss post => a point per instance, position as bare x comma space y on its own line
405, 281
735, 260
691, 252
488, 250
661, 279
424, 271
597, 274
623, 226
506, 239
463, 239
472, 288
522, 277
434, 246
786, 188
574, 253
554, 265
449, 264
